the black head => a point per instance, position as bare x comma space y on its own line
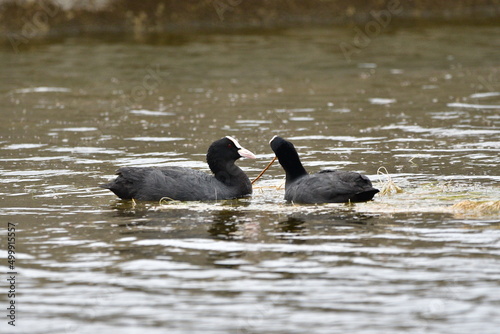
288, 158
227, 149
221, 157
281, 146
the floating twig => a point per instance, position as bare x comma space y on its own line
167, 200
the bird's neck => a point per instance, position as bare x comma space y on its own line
226, 171
217, 166
292, 166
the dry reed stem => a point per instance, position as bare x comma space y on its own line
477, 206
388, 187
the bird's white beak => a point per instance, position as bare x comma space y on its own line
242, 151
246, 153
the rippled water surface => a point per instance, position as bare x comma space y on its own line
423, 103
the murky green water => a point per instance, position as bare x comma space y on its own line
423, 103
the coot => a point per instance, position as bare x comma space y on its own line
185, 184
327, 186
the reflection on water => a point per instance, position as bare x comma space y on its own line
417, 102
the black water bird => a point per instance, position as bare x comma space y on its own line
185, 184
327, 186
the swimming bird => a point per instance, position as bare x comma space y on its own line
327, 186
185, 184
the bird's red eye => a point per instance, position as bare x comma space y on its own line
229, 145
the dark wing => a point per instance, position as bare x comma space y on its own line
153, 184
126, 184
331, 187
177, 183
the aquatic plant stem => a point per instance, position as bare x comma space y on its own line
265, 169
